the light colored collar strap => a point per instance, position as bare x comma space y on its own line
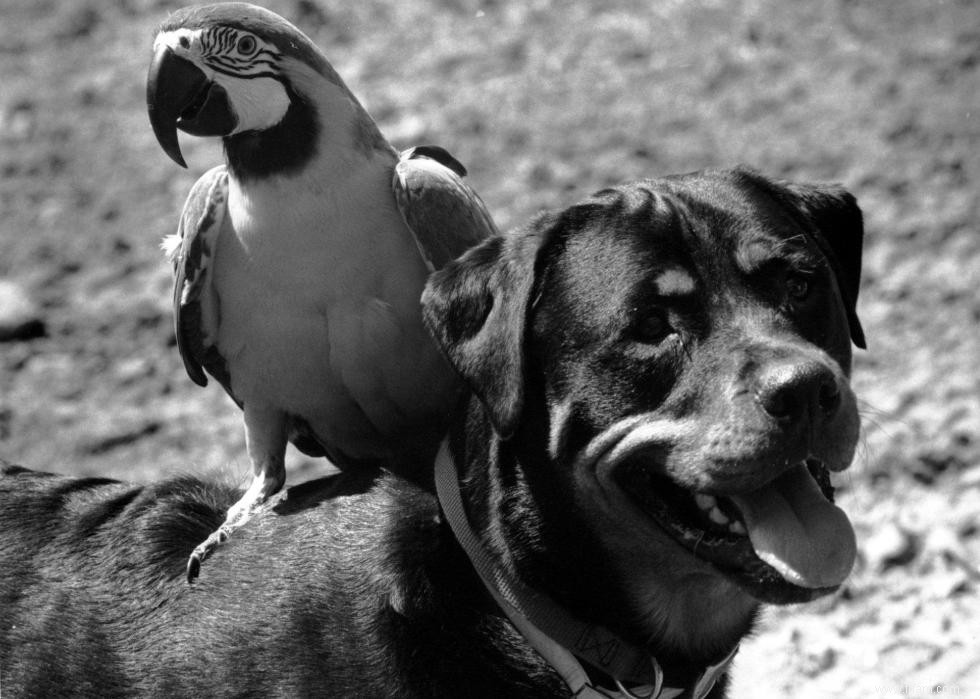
625, 663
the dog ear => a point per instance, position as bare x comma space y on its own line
834, 212
476, 309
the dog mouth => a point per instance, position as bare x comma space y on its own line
783, 542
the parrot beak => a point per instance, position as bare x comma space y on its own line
179, 95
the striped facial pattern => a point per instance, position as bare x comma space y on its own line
238, 53
246, 66
226, 50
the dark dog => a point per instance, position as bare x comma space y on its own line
659, 380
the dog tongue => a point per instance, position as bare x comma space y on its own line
797, 531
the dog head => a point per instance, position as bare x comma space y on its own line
675, 354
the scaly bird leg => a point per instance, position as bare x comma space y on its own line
265, 438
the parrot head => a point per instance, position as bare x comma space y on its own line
230, 70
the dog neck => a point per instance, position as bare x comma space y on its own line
557, 635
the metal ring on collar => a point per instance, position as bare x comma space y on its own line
655, 689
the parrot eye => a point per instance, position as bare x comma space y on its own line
247, 45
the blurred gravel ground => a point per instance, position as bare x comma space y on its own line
546, 102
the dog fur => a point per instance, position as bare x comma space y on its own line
718, 307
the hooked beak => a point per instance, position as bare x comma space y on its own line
179, 95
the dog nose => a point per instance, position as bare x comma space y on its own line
791, 391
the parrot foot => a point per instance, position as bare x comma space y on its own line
251, 502
204, 551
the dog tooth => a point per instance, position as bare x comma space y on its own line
717, 516
737, 527
705, 502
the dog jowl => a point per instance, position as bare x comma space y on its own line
665, 367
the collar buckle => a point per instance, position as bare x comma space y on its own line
711, 674
650, 691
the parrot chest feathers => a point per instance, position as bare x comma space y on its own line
319, 294
357, 369
321, 246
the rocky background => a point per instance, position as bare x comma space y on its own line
546, 102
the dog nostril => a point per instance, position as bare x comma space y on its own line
792, 392
829, 398
780, 402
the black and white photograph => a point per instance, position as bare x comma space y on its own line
419, 349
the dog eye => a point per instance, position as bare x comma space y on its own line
797, 287
652, 327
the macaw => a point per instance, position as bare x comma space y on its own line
300, 262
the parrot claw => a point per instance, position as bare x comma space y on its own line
204, 551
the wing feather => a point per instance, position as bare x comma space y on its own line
444, 214
196, 309
191, 251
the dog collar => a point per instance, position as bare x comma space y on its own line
550, 630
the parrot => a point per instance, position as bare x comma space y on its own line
300, 261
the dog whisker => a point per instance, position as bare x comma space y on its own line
694, 549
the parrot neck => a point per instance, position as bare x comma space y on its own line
324, 127
283, 149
